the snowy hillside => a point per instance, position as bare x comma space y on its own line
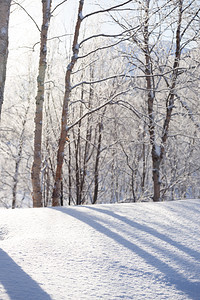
122, 251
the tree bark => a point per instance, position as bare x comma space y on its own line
96, 169
4, 22
78, 167
70, 176
63, 134
151, 96
18, 159
158, 150
36, 168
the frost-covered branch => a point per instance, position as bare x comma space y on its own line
110, 101
107, 35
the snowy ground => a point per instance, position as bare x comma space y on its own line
122, 251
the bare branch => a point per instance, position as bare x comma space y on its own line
107, 10
53, 38
108, 35
27, 14
96, 109
58, 6
128, 76
190, 22
104, 47
190, 114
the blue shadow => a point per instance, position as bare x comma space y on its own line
172, 277
18, 284
189, 251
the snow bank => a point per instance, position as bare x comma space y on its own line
121, 251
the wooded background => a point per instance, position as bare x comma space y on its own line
99, 101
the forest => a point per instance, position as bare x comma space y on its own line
99, 101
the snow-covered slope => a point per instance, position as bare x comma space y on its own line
122, 251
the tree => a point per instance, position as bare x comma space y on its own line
16, 148
63, 136
172, 85
64, 124
4, 22
37, 162
157, 66
121, 124
19, 158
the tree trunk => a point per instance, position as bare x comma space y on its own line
156, 160
143, 163
155, 155
78, 167
63, 134
96, 170
18, 159
70, 177
36, 168
4, 22
158, 151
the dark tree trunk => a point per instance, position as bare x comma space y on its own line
4, 22
96, 170
64, 119
37, 160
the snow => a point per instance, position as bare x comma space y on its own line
77, 46
120, 251
3, 31
81, 16
158, 150
48, 4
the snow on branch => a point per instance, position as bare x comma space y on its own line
108, 35
121, 76
110, 101
98, 80
189, 111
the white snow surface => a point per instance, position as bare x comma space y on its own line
120, 251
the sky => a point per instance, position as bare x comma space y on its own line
24, 34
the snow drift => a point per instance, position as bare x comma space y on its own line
122, 251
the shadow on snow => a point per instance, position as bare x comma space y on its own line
18, 284
172, 277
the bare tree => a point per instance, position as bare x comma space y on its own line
63, 136
19, 158
4, 22
37, 162
157, 67
129, 128
97, 158
68, 88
